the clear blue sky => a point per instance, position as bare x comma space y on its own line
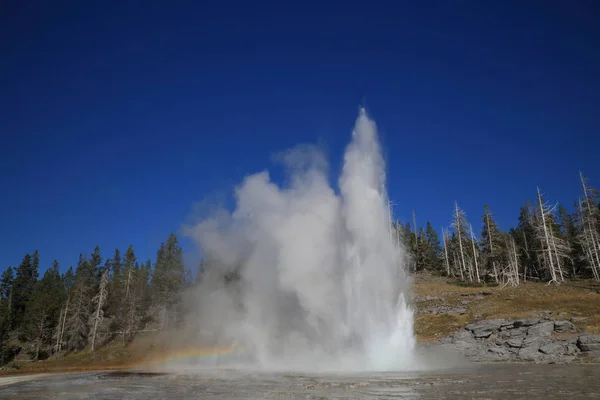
116, 118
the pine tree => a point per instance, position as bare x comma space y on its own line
491, 245
6, 288
114, 288
78, 315
99, 301
525, 239
168, 278
27, 275
43, 310
570, 232
95, 266
433, 250
68, 281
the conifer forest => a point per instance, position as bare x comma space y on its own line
113, 297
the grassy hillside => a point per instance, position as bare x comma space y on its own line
460, 305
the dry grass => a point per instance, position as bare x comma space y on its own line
579, 300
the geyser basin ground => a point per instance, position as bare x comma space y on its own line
321, 278
494, 382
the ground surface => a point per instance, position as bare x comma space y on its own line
481, 382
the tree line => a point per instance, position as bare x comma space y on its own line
101, 301
97, 302
549, 243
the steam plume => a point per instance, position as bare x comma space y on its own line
317, 280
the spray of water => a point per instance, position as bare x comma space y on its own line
316, 278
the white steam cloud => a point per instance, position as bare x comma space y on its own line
318, 281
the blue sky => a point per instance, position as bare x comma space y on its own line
118, 117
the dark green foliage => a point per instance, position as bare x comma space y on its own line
114, 287
43, 310
27, 274
168, 279
570, 231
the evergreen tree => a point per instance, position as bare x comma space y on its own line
433, 253
43, 311
78, 314
99, 301
23, 286
96, 269
570, 232
491, 245
129, 317
525, 239
6, 286
115, 286
169, 277
68, 279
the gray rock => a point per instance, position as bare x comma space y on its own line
553, 349
564, 326
523, 340
462, 336
526, 322
529, 354
543, 329
484, 329
516, 343
498, 350
530, 341
571, 349
518, 333
589, 342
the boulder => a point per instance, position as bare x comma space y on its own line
526, 322
515, 342
564, 326
543, 329
589, 342
518, 332
553, 349
571, 349
529, 354
484, 329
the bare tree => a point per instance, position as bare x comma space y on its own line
446, 252
552, 248
589, 216
474, 253
491, 244
511, 272
459, 224
99, 300
60, 329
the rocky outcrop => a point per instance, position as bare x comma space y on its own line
524, 340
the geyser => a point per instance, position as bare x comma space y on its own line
317, 279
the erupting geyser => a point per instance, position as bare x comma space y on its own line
318, 280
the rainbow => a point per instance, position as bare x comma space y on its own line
193, 356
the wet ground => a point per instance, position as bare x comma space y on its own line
499, 381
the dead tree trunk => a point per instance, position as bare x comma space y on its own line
99, 300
